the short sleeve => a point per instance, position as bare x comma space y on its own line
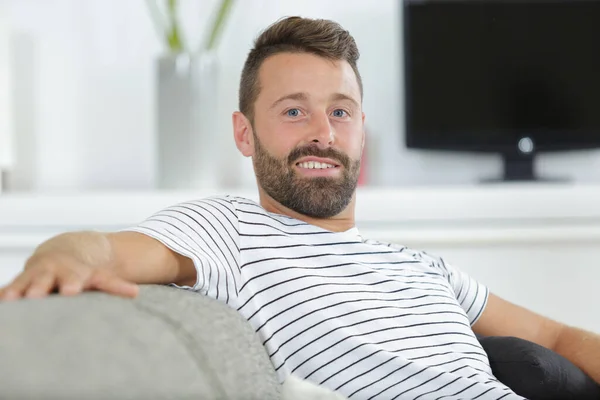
207, 232
470, 294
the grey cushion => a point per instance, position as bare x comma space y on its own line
166, 344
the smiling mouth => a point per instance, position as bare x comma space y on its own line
316, 165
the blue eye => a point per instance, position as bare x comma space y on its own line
294, 112
339, 113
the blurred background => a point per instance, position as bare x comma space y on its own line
83, 94
92, 100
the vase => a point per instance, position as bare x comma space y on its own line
187, 139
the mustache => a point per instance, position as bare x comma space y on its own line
315, 151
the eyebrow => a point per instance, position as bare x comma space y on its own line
294, 96
302, 96
342, 96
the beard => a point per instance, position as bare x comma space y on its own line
317, 197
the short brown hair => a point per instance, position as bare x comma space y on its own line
321, 37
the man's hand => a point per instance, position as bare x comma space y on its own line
68, 276
70, 264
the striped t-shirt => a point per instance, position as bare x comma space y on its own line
371, 320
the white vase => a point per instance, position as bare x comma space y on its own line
187, 142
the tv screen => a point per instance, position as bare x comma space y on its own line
482, 75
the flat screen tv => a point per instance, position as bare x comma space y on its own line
514, 77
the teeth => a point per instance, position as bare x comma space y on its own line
315, 165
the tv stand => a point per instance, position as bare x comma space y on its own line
521, 168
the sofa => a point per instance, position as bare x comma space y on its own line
170, 343
167, 343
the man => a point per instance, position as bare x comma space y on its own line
363, 318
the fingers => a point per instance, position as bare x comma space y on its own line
109, 282
71, 283
41, 285
68, 276
35, 282
41, 277
17, 287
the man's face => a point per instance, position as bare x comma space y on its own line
308, 133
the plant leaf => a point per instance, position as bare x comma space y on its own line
219, 22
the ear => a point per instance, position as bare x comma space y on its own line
242, 133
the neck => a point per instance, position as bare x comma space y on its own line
338, 223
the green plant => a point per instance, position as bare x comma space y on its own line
169, 27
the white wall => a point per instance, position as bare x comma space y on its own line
6, 110
86, 117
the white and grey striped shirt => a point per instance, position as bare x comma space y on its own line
371, 320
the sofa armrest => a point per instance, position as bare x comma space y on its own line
166, 343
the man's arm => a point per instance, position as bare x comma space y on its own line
143, 259
502, 318
77, 261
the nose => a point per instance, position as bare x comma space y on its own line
321, 130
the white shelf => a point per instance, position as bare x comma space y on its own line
468, 214
420, 204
